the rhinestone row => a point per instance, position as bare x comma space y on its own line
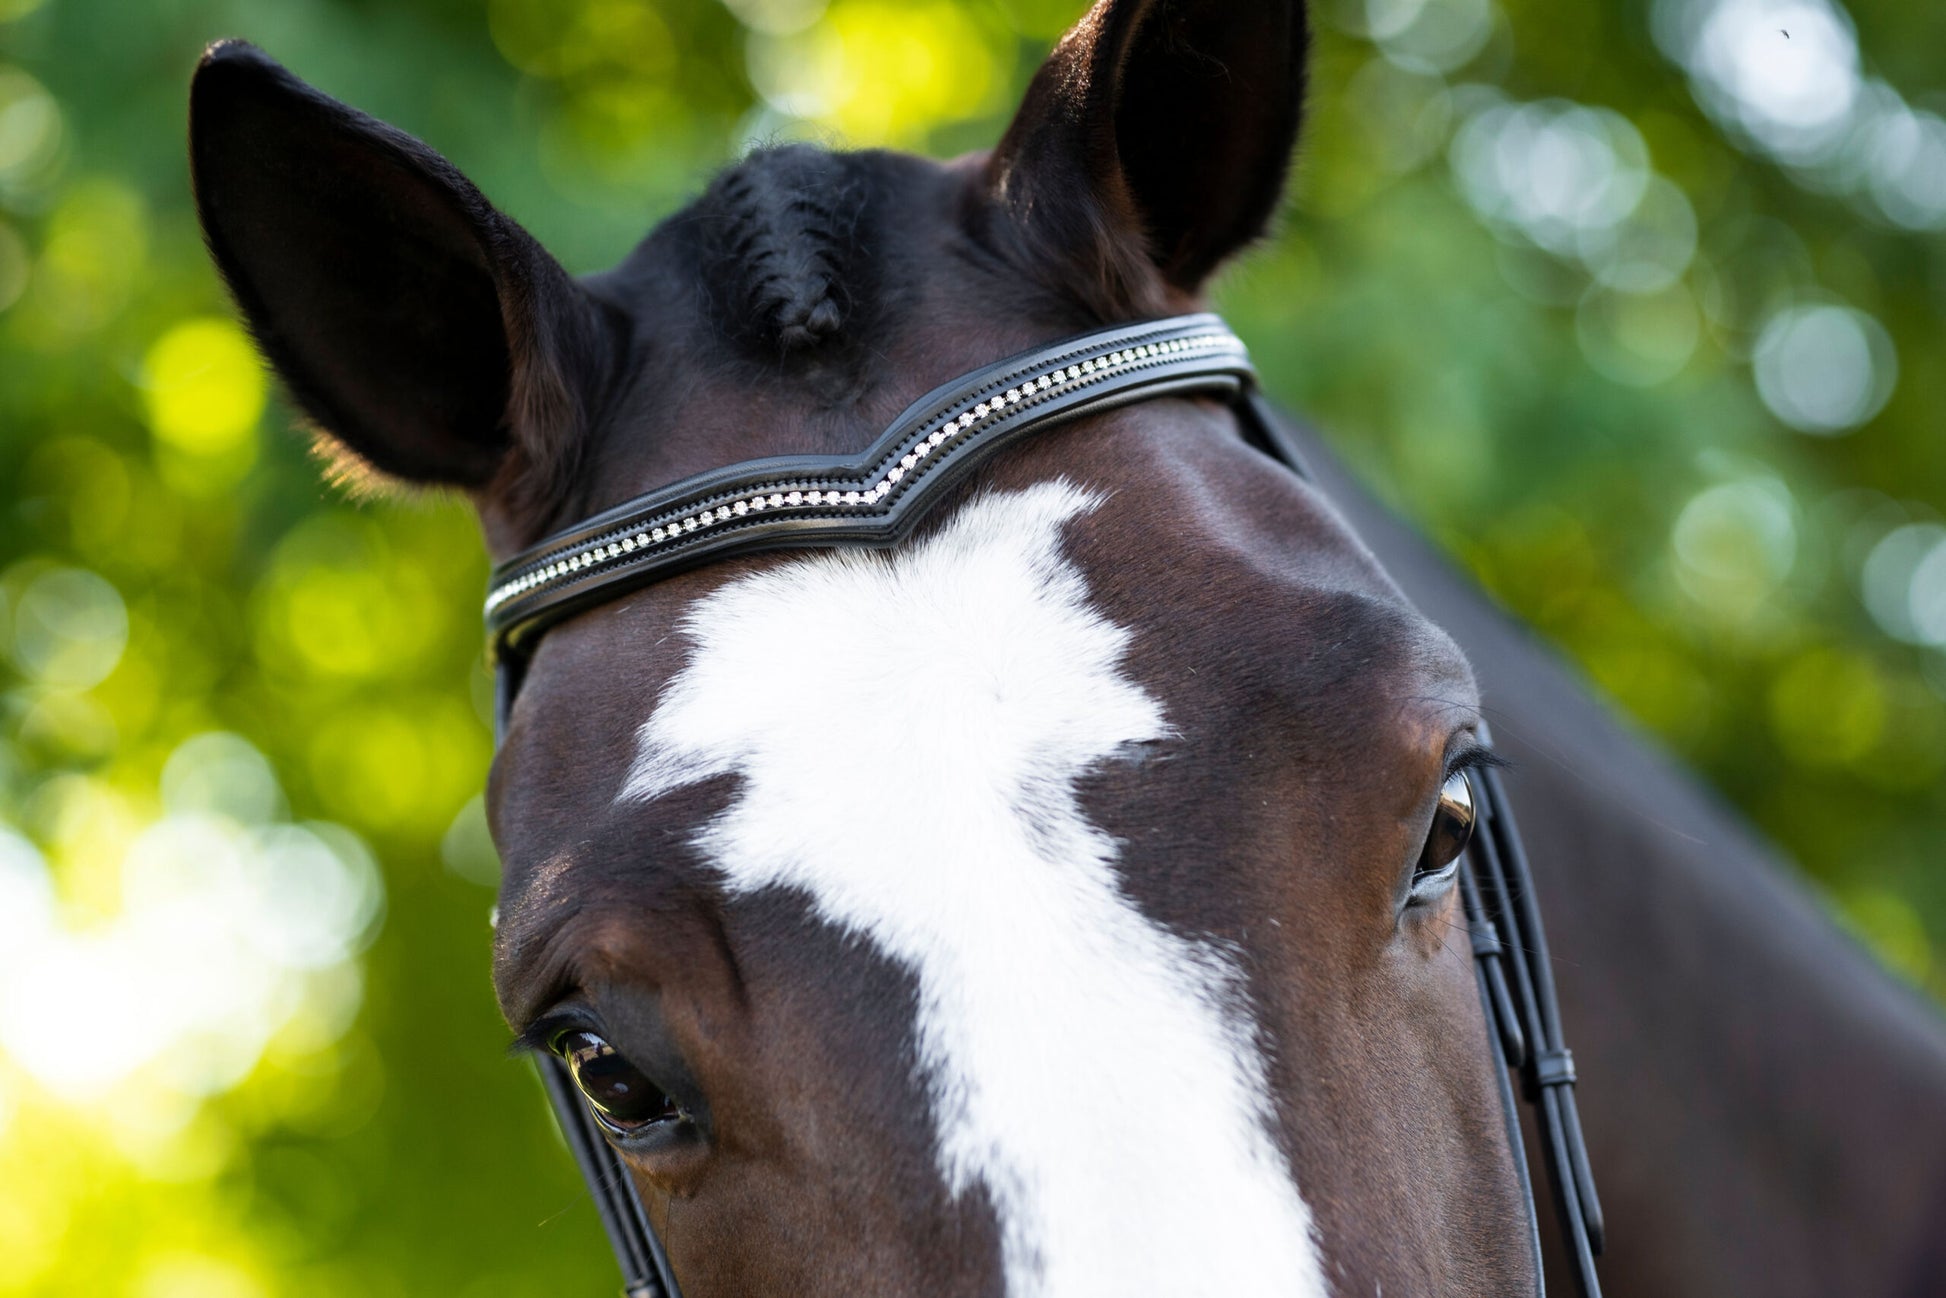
895, 471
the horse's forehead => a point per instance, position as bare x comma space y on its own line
1156, 564
900, 739
907, 733
959, 669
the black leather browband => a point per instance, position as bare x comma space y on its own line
871, 499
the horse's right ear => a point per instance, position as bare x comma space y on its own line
413, 322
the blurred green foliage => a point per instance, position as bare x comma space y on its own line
1636, 306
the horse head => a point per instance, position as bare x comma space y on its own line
1059, 903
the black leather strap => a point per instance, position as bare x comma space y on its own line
1499, 891
869, 499
1499, 1012
645, 1269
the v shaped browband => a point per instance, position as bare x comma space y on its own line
869, 499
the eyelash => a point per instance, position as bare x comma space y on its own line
538, 1037
1476, 758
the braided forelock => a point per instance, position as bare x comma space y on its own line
786, 221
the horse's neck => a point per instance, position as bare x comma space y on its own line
1766, 1107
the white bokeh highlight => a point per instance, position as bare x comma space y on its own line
1429, 36
1824, 368
70, 628
1784, 80
1903, 584
1553, 171
231, 927
1736, 543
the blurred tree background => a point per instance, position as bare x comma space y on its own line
1636, 306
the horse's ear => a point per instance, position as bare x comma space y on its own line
1169, 123
425, 331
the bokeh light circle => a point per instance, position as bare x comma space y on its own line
1784, 71
1554, 171
1824, 369
30, 128
70, 629
222, 774
1651, 248
777, 17
1903, 583
1638, 339
204, 387
1431, 36
1735, 543
1906, 152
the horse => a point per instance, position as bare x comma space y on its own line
1059, 902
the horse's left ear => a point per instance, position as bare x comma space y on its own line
1169, 123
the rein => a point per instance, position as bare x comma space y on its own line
875, 499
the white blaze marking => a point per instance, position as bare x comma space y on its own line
908, 729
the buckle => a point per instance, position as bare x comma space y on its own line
1554, 1068
1486, 938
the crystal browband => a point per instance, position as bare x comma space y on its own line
870, 499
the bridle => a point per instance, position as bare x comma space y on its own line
875, 499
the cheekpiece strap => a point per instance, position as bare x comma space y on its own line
872, 499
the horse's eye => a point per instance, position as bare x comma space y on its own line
1452, 828
622, 1095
